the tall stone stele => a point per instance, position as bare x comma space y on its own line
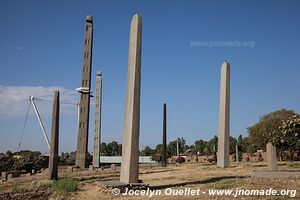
224, 123
53, 159
97, 123
164, 159
84, 104
130, 148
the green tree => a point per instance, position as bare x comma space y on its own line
172, 148
212, 146
109, 150
241, 142
182, 145
200, 145
29, 160
148, 151
120, 150
103, 149
159, 149
157, 153
259, 132
8, 153
232, 143
64, 158
113, 148
287, 137
6, 162
72, 158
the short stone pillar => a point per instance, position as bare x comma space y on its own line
70, 169
91, 168
4, 176
271, 157
113, 167
9, 177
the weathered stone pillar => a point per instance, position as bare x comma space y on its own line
130, 148
84, 104
236, 153
164, 158
223, 138
97, 124
271, 157
53, 159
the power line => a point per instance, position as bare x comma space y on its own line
62, 102
22, 134
23, 129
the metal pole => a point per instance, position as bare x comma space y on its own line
31, 98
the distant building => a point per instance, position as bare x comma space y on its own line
118, 160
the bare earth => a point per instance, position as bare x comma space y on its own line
196, 176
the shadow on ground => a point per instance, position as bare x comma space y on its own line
209, 180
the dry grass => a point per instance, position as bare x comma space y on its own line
202, 176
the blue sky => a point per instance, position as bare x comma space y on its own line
41, 48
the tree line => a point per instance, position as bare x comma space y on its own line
281, 128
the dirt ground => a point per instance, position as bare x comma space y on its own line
198, 176
167, 183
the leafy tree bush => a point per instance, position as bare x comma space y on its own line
211, 146
23, 160
110, 149
6, 162
28, 160
287, 137
148, 151
200, 146
259, 132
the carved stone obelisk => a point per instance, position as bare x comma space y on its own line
84, 104
130, 148
223, 139
97, 123
53, 158
164, 157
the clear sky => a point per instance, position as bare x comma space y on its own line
184, 45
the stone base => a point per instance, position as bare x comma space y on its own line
92, 168
275, 174
71, 169
4, 176
13, 174
113, 167
111, 184
121, 185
